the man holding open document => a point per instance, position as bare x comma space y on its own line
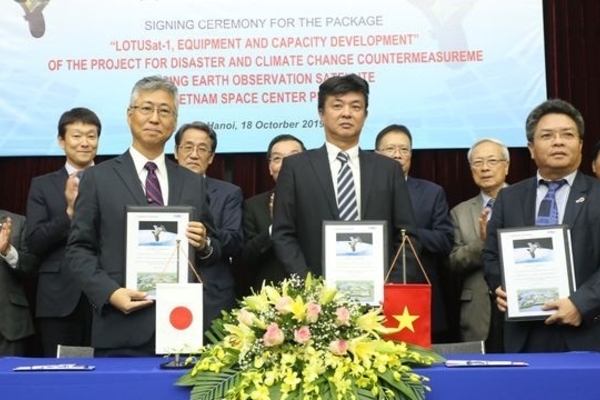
558, 195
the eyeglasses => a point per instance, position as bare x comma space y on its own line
147, 109
187, 149
390, 150
492, 162
279, 158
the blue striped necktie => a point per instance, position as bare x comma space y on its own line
548, 211
153, 192
346, 195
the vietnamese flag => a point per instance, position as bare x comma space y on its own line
178, 318
408, 308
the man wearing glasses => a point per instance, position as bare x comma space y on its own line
124, 319
558, 194
195, 146
479, 319
257, 259
433, 224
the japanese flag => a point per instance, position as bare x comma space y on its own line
178, 318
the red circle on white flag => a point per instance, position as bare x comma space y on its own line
181, 318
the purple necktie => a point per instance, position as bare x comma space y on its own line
153, 192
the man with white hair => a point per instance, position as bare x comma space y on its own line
489, 160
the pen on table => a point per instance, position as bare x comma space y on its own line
484, 363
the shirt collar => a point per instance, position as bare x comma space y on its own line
72, 169
140, 161
333, 150
569, 178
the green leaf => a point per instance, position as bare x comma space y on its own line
423, 352
216, 332
404, 389
186, 380
212, 386
364, 394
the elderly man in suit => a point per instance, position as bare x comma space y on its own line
372, 187
16, 263
257, 259
433, 223
195, 147
124, 318
555, 131
63, 312
489, 160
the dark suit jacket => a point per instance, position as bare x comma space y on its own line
15, 321
305, 197
225, 204
258, 256
96, 248
436, 234
514, 208
47, 233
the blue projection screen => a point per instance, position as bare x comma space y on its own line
452, 70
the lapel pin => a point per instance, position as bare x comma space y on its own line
580, 200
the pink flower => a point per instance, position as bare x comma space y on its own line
246, 317
338, 347
283, 304
302, 335
273, 336
312, 312
342, 316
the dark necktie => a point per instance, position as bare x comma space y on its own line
346, 197
548, 211
153, 192
489, 206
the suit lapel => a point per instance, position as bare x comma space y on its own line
59, 181
576, 200
320, 164
175, 189
475, 209
367, 176
125, 169
413, 191
529, 200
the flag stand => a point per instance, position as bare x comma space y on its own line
177, 362
408, 305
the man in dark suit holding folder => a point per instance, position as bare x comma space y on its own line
555, 132
124, 318
317, 185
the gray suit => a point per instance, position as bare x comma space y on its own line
96, 247
465, 259
16, 323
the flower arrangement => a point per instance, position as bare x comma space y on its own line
305, 340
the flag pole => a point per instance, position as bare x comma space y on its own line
403, 231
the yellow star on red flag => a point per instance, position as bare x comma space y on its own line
406, 320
